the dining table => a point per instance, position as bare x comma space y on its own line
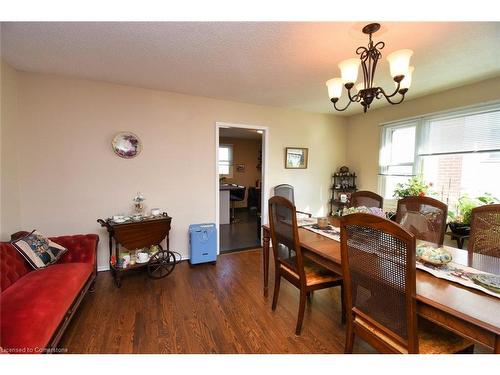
467, 312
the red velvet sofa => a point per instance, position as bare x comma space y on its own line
36, 306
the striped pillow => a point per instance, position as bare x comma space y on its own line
38, 250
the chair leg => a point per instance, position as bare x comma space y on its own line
349, 339
277, 281
342, 302
302, 306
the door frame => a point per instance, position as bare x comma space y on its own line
264, 171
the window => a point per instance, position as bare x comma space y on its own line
458, 152
226, 160
397, 156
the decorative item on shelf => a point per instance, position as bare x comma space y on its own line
400, 69
155, 212
142, 257
296, 158
415, 186
138, 205
154, 249
126, 145
460, 218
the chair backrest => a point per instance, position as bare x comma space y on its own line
366, 198
284, 235
285, 191
485, 230
425, 217
378, 265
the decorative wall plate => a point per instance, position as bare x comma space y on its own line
126, 145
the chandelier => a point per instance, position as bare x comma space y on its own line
365, 92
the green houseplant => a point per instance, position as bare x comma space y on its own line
415, 186
460, 218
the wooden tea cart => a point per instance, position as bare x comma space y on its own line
139, 234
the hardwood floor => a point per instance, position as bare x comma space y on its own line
205, 309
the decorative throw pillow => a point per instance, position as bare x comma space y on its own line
38, 250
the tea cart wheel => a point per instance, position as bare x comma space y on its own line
161, 264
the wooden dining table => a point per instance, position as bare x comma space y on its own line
465, 311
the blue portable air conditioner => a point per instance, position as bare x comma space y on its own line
202, 243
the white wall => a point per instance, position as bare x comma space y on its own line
9, 193
69, 176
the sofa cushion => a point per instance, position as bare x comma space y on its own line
38, 250
37, 303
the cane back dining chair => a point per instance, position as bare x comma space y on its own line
286, 191
425, 217
289, 262
379, 270
366, 198
485, 230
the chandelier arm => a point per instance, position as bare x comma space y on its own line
399, 101
381, 91
388, 97
354, 98
343, 109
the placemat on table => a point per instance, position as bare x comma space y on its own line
331, 232
457, 273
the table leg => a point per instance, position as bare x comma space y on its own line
497, 344
265, 258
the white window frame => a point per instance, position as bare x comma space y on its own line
384, 142
230, 161
421, 123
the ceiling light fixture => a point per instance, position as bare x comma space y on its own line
400, 68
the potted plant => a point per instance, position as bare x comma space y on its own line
415, 186
460, 219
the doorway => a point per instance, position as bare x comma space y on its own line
240, 185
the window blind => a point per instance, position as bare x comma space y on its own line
460, 134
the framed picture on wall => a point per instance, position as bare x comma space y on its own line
240, 168
296, 158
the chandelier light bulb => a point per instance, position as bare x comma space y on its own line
349, 70
399, 62
334, 88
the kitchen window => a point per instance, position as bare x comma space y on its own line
226, 161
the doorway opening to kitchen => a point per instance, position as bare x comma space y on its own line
241, 161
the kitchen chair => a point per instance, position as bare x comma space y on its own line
286, 191
485, 230
425, 217
289, 263
366, 198
236, 195
379, 270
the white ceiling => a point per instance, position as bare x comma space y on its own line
269, 63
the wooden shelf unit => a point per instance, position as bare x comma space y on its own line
342, 183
